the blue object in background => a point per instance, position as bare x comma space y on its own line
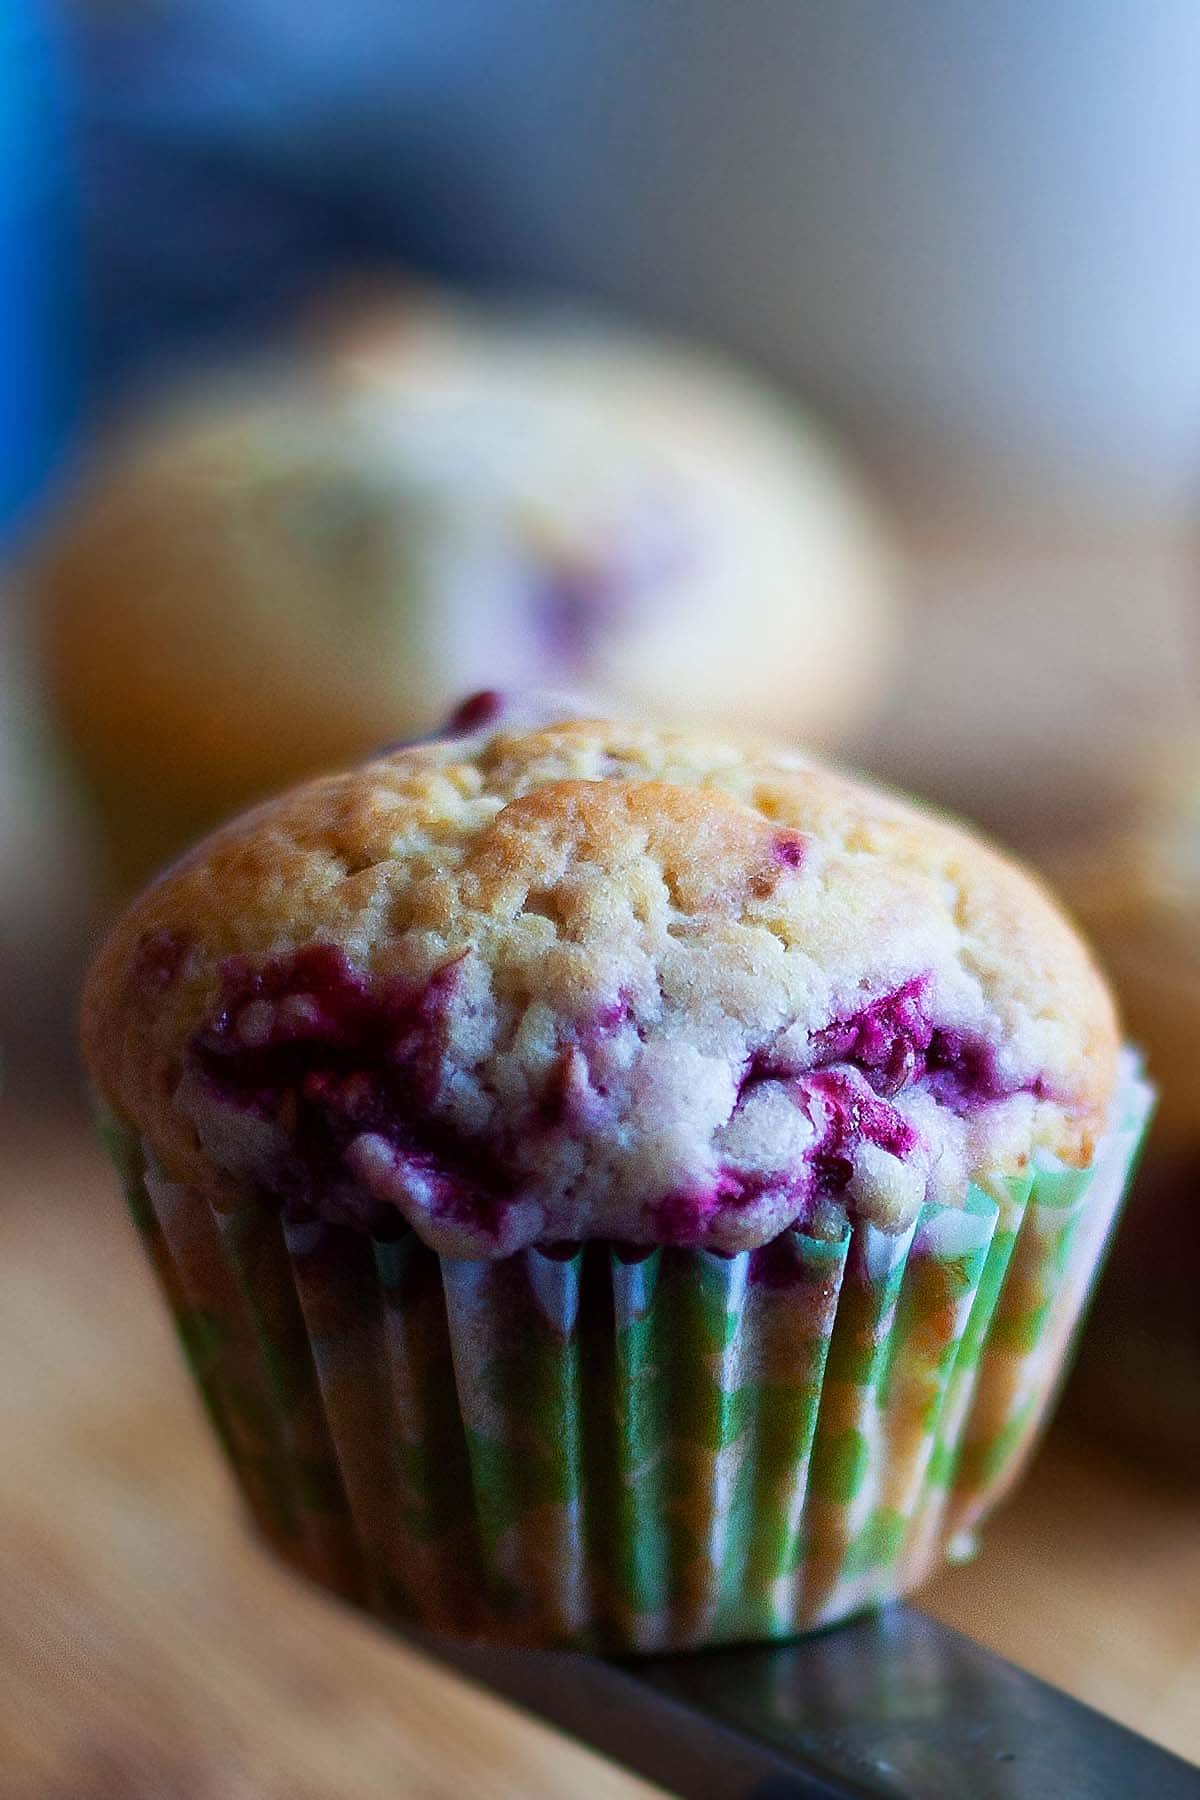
39, 286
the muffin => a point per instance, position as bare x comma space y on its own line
1138, 894
282, 572
616, 1187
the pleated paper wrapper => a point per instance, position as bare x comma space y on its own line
632, 1452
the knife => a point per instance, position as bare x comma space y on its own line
893, 1706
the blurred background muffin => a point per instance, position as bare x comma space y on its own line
315, 556
1137, 893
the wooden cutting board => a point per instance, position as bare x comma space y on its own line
150, 1651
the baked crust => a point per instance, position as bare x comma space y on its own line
610, 981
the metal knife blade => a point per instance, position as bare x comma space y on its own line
893, 1706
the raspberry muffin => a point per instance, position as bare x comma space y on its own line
616, 1187
270, 577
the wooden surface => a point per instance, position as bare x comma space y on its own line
150, 1650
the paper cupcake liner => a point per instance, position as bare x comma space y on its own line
632, 1453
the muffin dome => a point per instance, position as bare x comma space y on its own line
544, 982
273, 577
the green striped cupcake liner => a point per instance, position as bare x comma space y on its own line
620, 1451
